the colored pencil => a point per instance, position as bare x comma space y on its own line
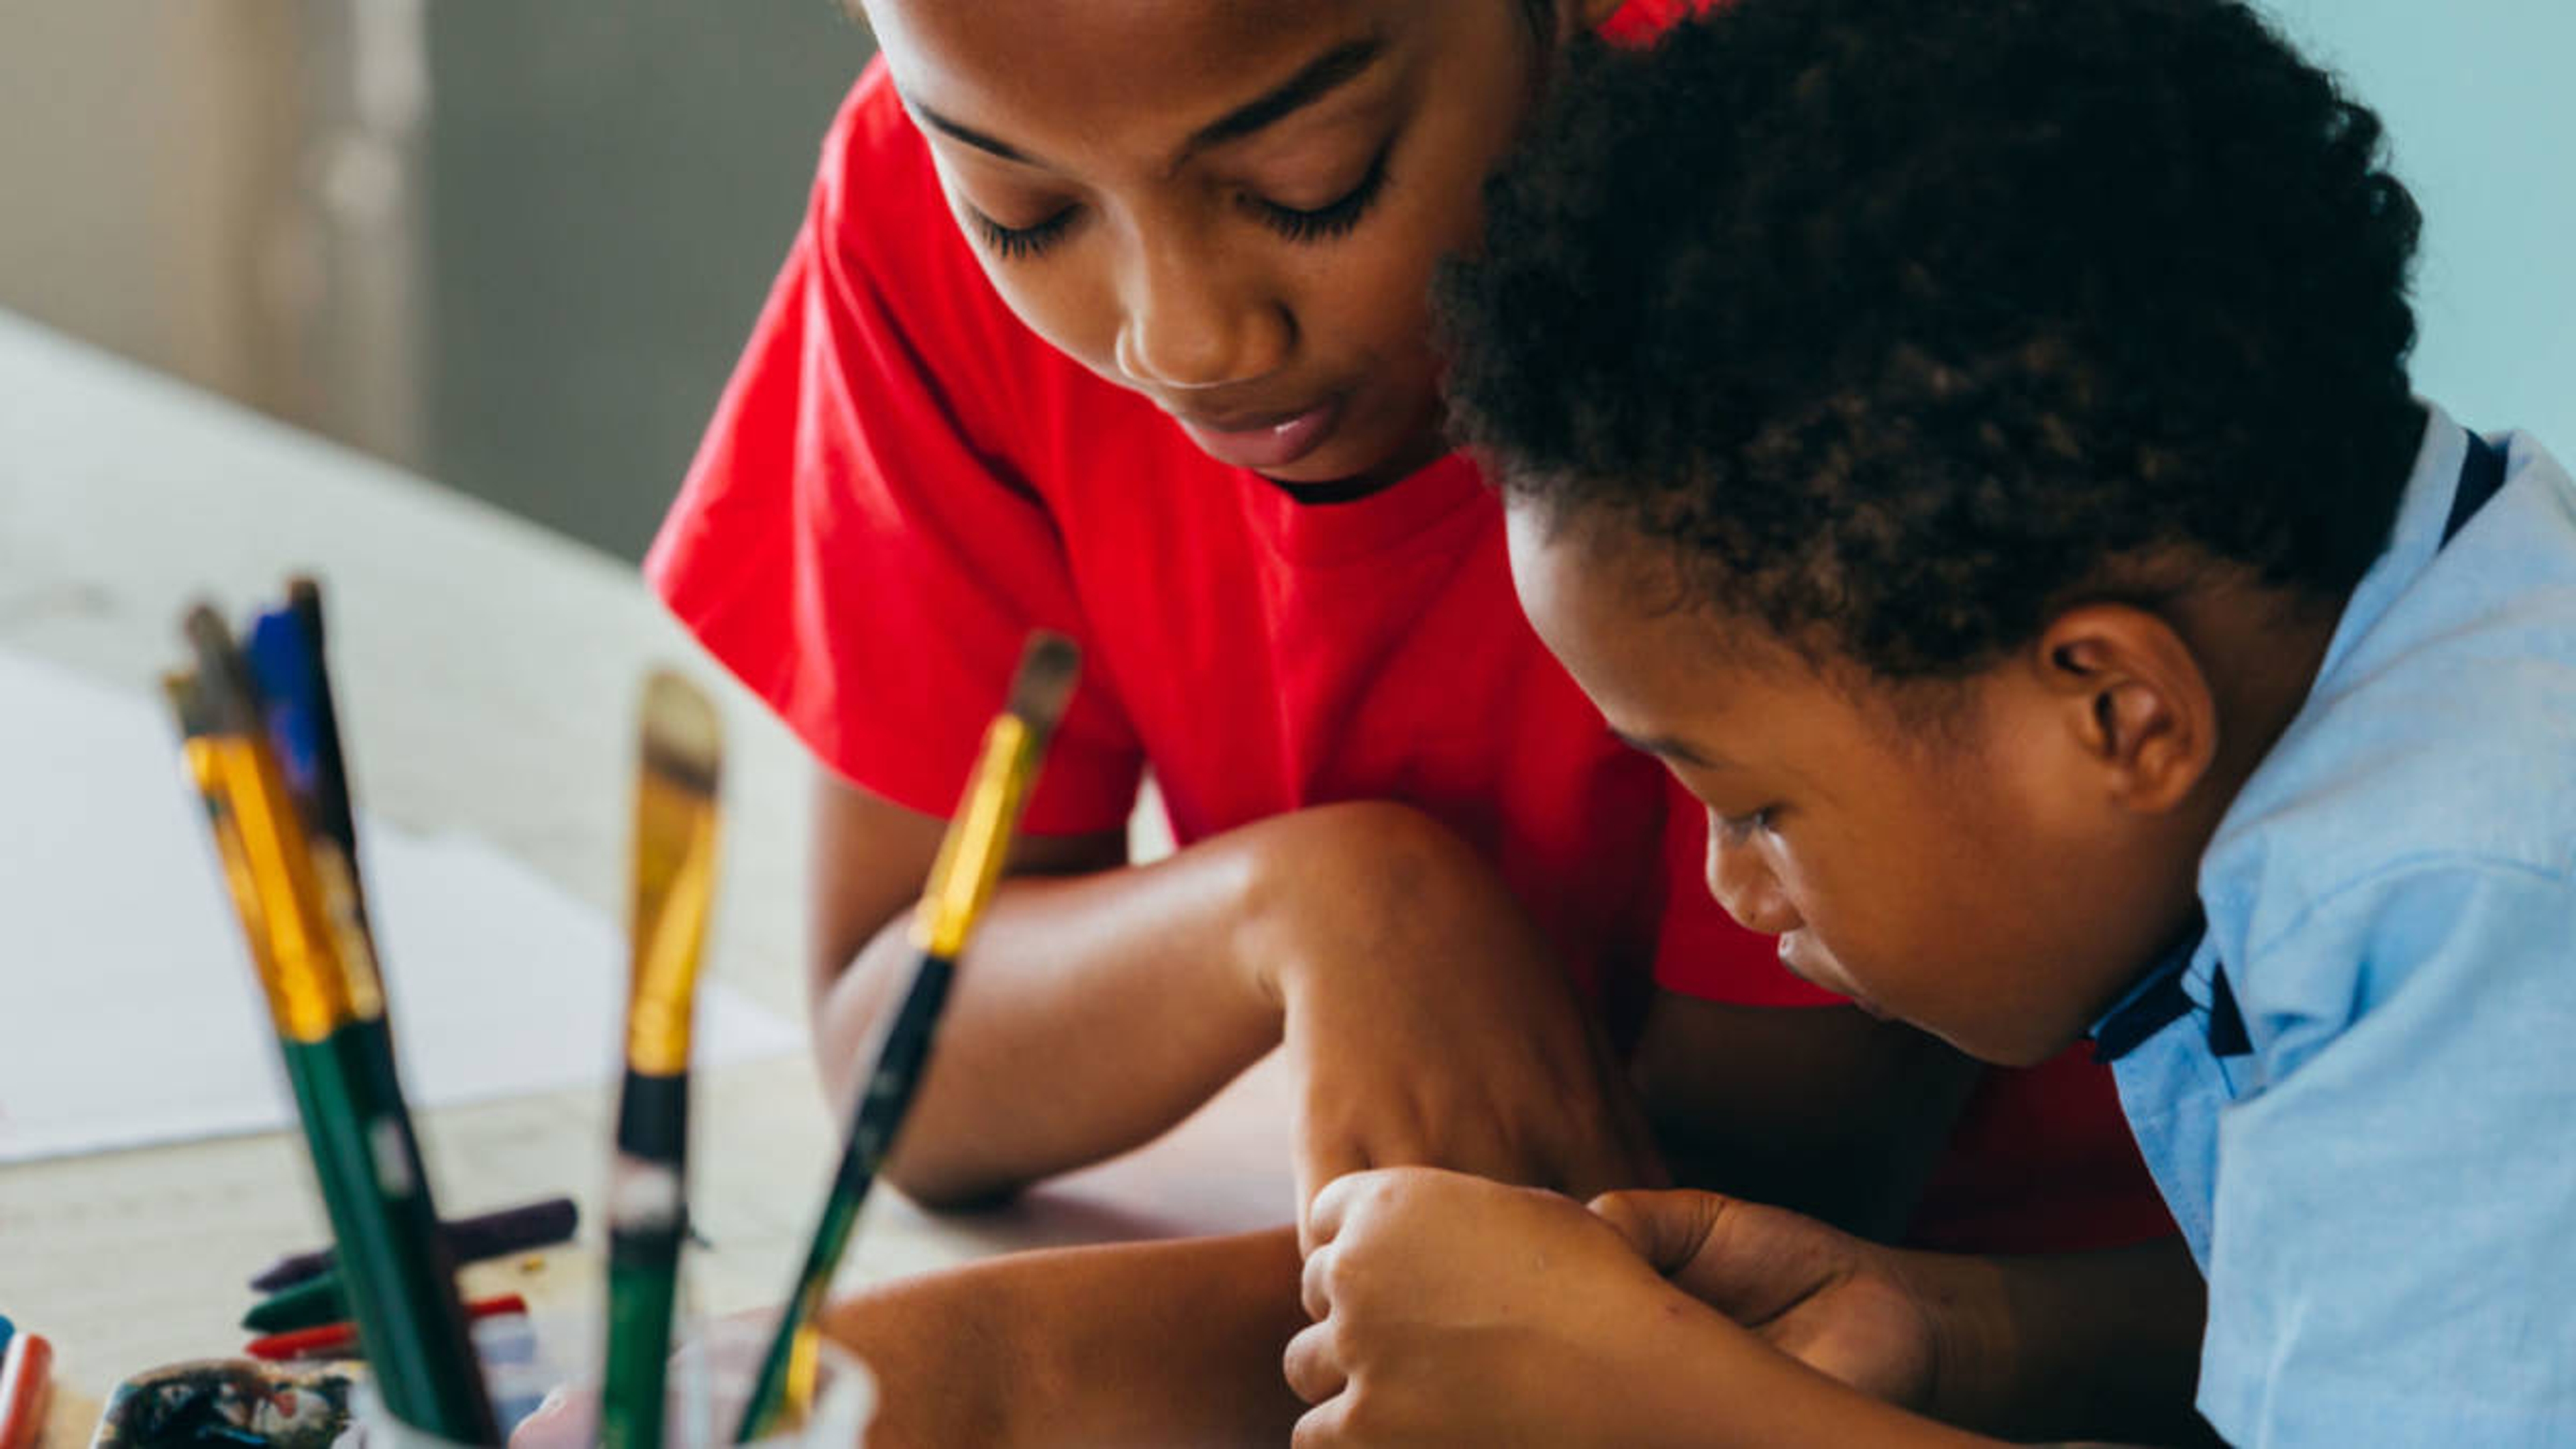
680, 760
971, 856
342, 1340
497, 1234
26, 1381
309, 945
313, 1301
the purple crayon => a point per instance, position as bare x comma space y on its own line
488, 1235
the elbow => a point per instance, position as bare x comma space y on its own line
950, 1187
926, 1164
941, 1181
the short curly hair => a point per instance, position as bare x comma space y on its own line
1906, 324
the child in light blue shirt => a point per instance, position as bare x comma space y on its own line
1970, 442
2355, 1086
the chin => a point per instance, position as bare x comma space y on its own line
1376, 445
2003, 1049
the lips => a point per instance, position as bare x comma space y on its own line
1800, 956
1260, 442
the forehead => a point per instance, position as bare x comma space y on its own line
1617, 611
1614, 609
1034, 71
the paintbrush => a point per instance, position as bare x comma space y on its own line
970, 861
317, 967
674, 886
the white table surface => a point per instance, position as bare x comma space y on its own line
487, 671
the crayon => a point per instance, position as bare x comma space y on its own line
25, 1381
340, 1340
314, 1301
472, 1240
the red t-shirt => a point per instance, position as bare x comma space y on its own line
901, 481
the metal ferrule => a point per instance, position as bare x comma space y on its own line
308, 988
971, 855
675, 853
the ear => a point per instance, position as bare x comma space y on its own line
2135, 701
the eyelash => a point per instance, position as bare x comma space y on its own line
1323, 223
1738, 827
1018, 243
1332, 219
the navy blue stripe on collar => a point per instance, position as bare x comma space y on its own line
2481, 474
2158, 1000
2154, 1003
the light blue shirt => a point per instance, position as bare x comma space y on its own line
2382, 1191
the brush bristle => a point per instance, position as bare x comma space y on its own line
1044, 685
682, 738
179, 687
224, 690
304, 596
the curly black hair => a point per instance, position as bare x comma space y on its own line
1908, 323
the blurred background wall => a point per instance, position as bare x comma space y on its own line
516, 246
2482, 121
512, 246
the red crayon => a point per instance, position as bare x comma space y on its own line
24, 1382
340, 1340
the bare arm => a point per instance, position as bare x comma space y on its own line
1138, 1343
1425, 1016
1094, 1009
2106, 1342
1820, 1109
2100, 1343
2097, 1342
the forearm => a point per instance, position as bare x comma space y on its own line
1817, 1109
2103, 1344
1090, 1014
1144, 1343
1705, 1382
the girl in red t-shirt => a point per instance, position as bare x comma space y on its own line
1111, 317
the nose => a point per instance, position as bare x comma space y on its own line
1194, 320
1743, 883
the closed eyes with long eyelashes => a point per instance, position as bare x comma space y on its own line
1297, 224
1332, 219
1015, 243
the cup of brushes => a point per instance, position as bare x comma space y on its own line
262, 745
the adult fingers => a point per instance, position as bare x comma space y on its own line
1666, 1228
1746, 1260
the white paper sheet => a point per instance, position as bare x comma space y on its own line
128, 1014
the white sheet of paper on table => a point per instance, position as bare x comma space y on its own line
128, 1014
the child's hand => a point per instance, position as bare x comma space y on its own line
1453, 1310
1843, 1305
1427, 1019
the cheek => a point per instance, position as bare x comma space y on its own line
1878, 918
1374, 288
1366, 297
1064, 298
